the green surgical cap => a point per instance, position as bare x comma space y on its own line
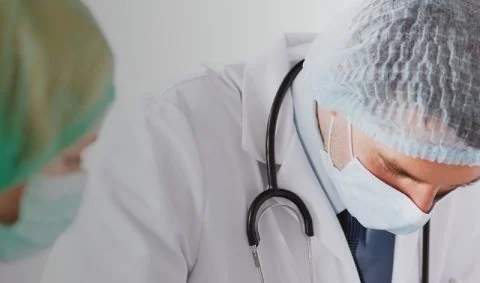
56, 72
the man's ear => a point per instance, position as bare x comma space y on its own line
339, 148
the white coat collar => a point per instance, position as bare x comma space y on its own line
262, 77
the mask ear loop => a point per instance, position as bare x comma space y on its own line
330, 128
350, 139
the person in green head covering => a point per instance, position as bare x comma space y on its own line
56, 72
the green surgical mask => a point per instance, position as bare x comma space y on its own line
49, 206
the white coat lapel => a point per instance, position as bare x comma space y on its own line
333, 257
442, 223
262, 77
407, 265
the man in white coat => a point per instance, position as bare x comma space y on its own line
378, 135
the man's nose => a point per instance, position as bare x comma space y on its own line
423, 195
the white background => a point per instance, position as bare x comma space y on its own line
156, 42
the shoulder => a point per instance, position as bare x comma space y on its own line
163, 135
456, 233
213, 91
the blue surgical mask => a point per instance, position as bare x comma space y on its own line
375, 204
49, 205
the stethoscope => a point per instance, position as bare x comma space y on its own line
257, 209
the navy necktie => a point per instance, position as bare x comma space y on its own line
354, 231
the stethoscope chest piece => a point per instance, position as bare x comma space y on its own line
257, 210
256, 206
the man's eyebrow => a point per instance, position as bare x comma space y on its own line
396, 168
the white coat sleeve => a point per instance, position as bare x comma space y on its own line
142, 213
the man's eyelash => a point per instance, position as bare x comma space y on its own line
389, 170
392, 172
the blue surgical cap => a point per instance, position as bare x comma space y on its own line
406, 73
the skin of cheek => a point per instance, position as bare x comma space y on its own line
71, 159
9, 205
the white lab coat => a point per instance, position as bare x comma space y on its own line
168, 196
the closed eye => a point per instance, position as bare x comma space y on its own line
390, 171
392, 168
